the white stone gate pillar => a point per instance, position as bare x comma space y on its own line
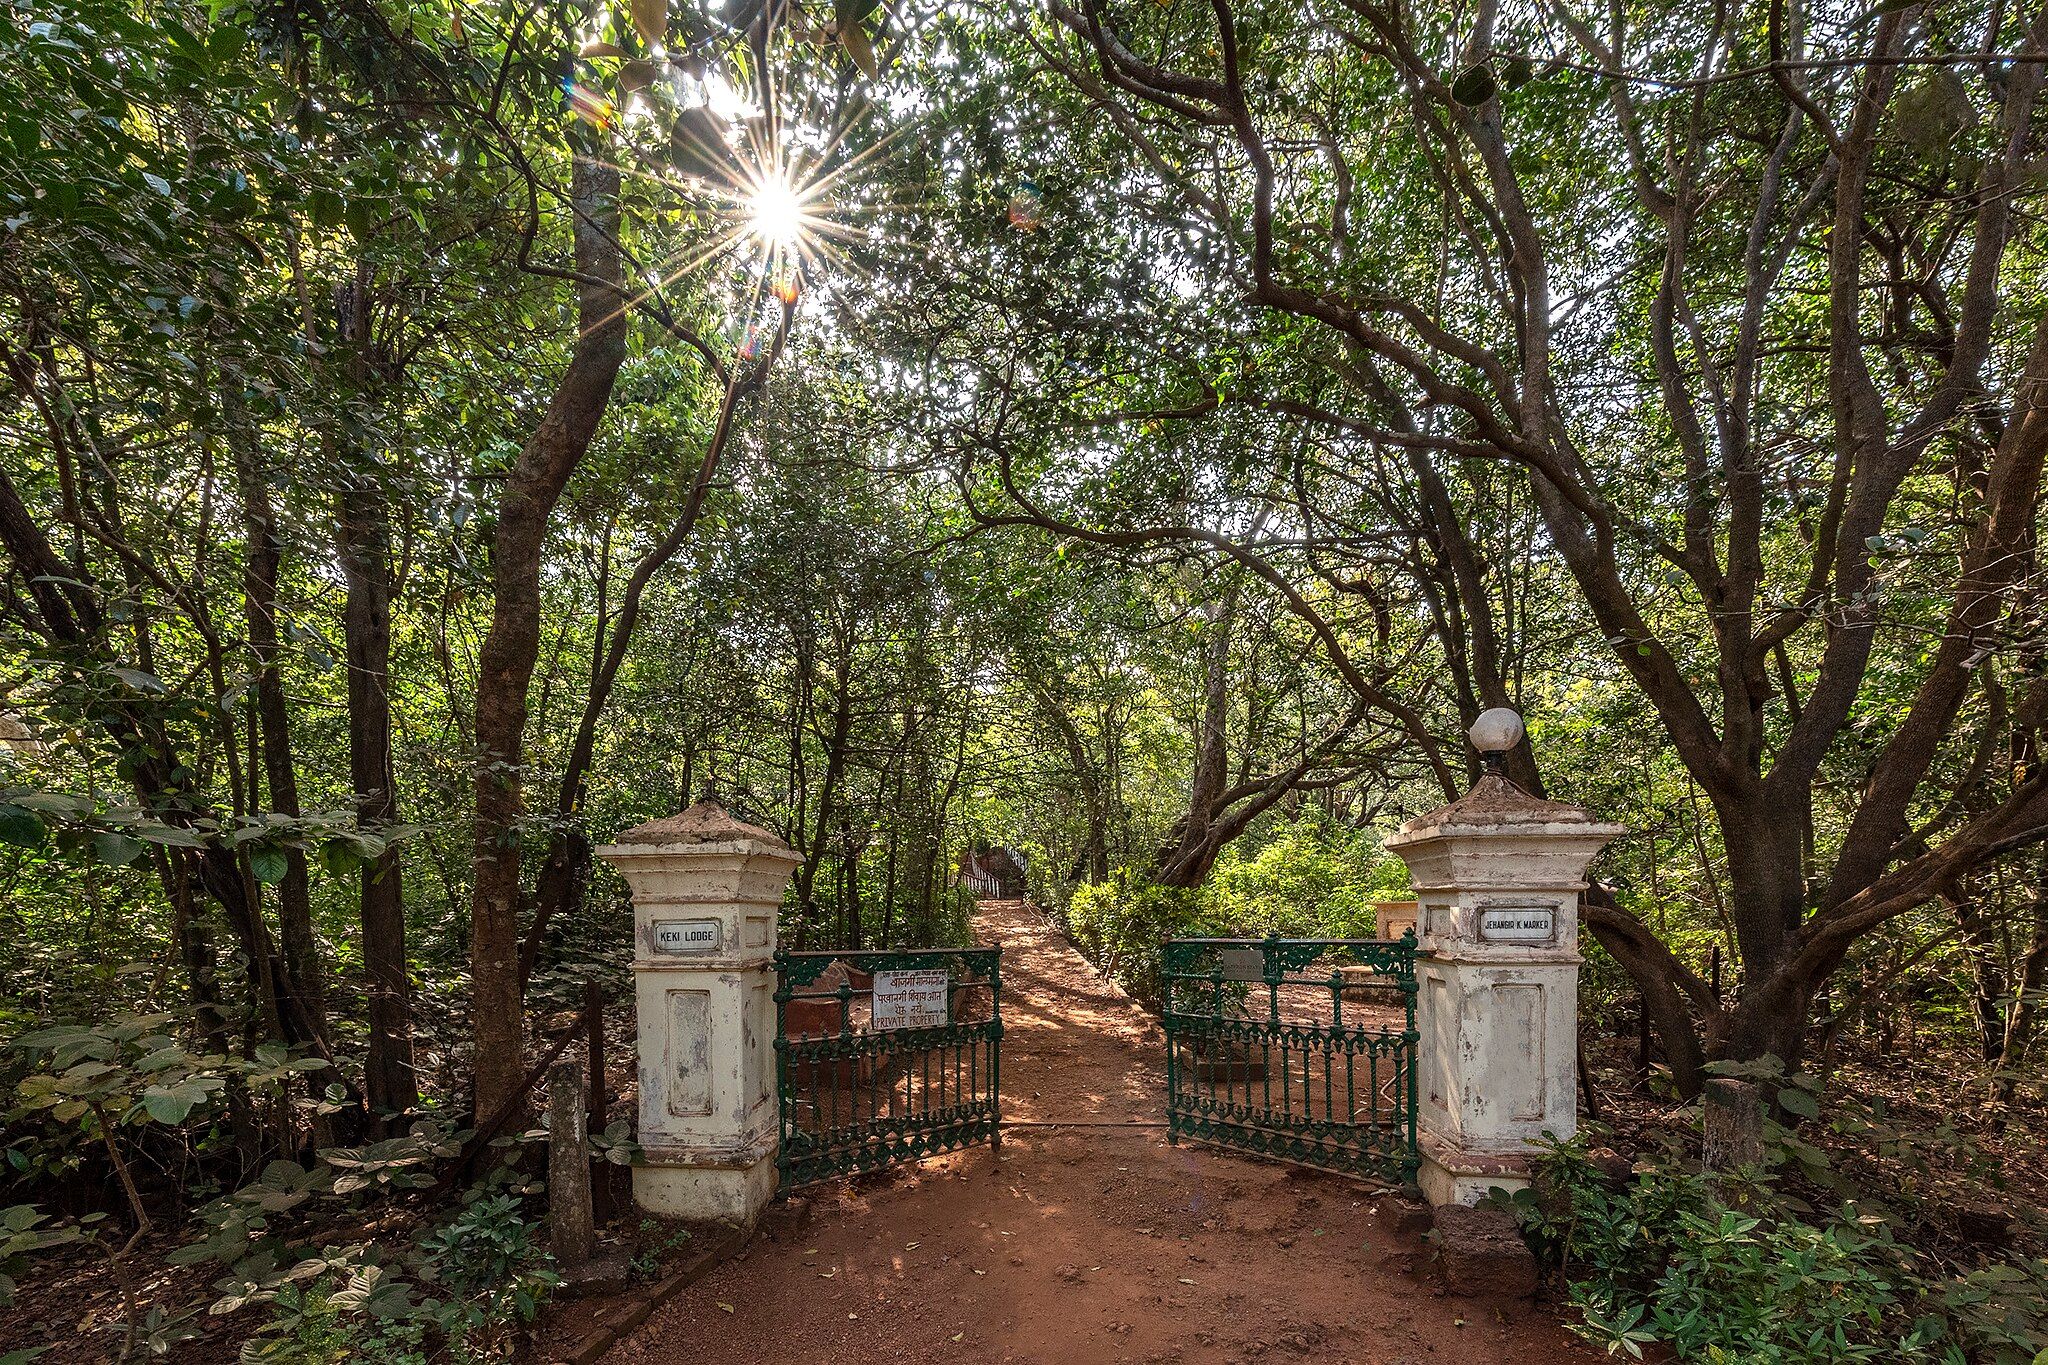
1497, 874
707, 890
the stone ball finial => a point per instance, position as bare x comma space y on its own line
1496, 731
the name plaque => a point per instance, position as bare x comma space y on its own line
688, 935
1242, 964
1518, 924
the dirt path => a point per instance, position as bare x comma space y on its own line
1095, 1244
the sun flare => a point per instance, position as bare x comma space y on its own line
775, 214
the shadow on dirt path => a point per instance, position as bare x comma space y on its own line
1084, 1244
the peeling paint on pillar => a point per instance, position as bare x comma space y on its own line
1498, 1007
705, 1007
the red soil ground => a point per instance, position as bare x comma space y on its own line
1084, 1244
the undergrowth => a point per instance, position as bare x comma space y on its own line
1747, 1269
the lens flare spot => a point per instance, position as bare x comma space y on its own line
589, 105
1027, 207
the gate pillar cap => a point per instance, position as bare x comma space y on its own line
707, 822
1497, 806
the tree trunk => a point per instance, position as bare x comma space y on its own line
828, 787
1093, 863
506, 661
566, 874
388, 1069
2030, 983
68, 615
264, 556
1987, 967
1192, 849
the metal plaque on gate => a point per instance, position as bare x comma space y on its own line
1242, 964
1517, 924
688, 935
911, 999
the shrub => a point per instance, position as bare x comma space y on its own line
1662, 1258
1312, 878
496, 1275
1120, 924
348, 1305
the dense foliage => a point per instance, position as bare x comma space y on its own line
1736, 1268
436, 436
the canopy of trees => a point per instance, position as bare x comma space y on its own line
1144, 433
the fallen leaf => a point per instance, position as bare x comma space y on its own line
1185, 1280
726, 1306
958, 1335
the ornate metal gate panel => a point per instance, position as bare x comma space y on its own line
1301, 1049
885, 1057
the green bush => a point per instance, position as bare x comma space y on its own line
495, 1273
347, 1305
1311, 878
1662, 1258
1119, 924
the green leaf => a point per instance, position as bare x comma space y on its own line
269, 864
698, 146
637, 75
1474, 86
20, 828
54, 803
171, 1103
325, 207
1800, 1102
340, 857
650, 18
115, 849
167, 1106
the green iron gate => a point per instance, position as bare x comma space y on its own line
884, 1057
1302, 1049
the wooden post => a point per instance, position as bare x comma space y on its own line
1732, 1114
570, 1227
600, 1169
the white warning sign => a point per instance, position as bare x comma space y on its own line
912, 999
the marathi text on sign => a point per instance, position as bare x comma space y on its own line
688, 935
911, 999
1519, 924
